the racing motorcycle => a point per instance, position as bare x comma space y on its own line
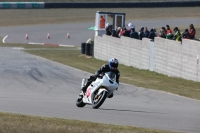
98, 90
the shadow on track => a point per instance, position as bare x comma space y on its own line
132, 111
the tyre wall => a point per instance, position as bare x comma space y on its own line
22, 5
39, 5
121, 4
165, 56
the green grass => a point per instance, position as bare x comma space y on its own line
12, 17
16, 123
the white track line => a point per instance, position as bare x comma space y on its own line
4, 38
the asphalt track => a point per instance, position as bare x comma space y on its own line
36, 86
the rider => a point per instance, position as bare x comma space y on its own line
111, 66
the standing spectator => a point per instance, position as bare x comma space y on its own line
108, 29
169, 32
151, 34
102, 22
118, 31
168, 29
146, 32
163, 32
177, 35
155, 32
133, 34
192, 31
186, 34
131, 26
125, 32
141, 33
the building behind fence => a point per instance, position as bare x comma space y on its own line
163, 56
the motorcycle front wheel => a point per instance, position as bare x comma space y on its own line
79, 101
99, 99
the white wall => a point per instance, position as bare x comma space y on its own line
167, 56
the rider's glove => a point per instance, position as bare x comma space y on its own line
93, 77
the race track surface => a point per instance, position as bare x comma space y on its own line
36, 86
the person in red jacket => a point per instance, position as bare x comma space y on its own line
168, 29
192, 31
169, 32
102, 22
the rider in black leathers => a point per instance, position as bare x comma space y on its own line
111, 66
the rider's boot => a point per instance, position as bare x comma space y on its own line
84, 88
111, 95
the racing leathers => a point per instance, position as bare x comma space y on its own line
105, 68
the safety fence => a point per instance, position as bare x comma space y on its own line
39, 5
22, 5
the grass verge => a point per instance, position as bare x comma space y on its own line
15, 123
11, 17
129, 75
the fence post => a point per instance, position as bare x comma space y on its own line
151, 56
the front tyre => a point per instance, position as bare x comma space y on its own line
79, 101
99, 99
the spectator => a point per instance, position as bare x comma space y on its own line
169, 32
146, 32
163, 32
177, 35
108, 29
155, 32
118, 31
115, 32
131, 26
192, 31
186, 34
151, 34
133, 34
168, 29
125, 32
141, 33
102, 22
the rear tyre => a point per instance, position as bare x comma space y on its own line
79, 101
99, 99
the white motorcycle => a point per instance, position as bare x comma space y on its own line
98, 90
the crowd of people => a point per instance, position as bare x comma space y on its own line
165, 32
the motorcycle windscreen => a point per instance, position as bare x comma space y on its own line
112, 76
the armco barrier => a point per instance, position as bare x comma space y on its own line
22, 5
121, 4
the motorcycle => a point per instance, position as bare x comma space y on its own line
98, 90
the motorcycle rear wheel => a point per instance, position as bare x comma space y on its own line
79, 101
97, 102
